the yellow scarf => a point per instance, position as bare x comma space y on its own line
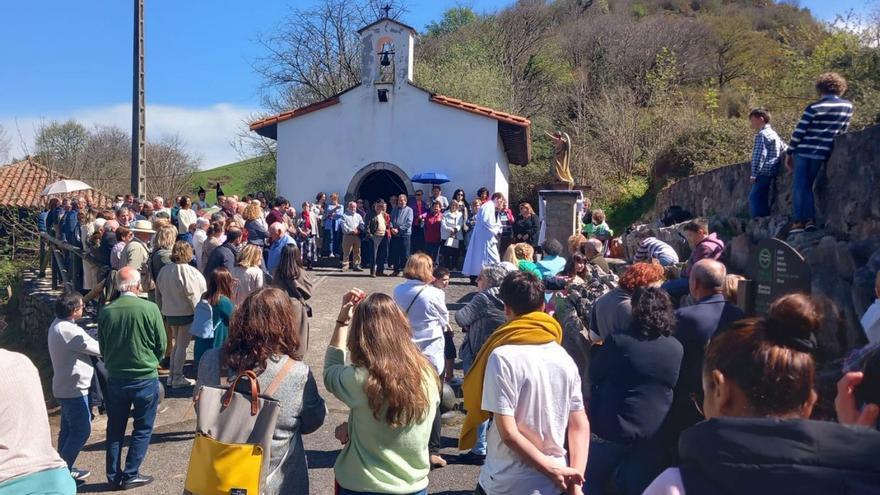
529, 329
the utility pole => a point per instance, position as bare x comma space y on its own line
138, 106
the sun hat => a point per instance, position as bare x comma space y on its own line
142, 226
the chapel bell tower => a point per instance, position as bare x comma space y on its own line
386, 56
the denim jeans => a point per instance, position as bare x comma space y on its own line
480, 445
346, 491
759, 197
380, 253
332, 242
805, 172
140, 400
76, 426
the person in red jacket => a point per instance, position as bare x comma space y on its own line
432, 230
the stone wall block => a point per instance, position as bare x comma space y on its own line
740, 251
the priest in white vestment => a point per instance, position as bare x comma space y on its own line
483, 246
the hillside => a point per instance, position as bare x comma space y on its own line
238, 178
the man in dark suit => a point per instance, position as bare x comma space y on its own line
224, 254
710, 314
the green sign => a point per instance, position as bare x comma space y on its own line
776, 270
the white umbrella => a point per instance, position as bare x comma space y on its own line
65, 186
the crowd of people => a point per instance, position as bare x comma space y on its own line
581, 374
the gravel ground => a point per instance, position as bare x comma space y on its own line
172, 439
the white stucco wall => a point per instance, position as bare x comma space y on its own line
324, 149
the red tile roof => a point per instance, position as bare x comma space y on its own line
514, 130
22, 182
484, 111
268, 122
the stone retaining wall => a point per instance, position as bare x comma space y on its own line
36, 308
844, 255
847, 190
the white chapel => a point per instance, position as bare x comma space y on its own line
370, 140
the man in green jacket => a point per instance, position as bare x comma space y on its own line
132, 340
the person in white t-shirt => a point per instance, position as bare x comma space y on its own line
532, 389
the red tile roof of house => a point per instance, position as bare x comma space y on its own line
22, 182
514, 130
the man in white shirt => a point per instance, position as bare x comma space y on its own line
159, 209
352, 226
533, 392
70, 349
437, 195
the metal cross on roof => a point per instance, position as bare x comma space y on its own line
387, 9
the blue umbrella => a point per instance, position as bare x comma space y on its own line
430, 178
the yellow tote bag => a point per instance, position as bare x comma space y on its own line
234, 430
217, 468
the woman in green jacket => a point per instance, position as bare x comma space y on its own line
393, 392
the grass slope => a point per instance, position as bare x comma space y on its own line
233, 178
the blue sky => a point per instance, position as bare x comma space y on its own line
63, 59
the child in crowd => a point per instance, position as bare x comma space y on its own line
306, 236
441, 281
766, 154
811, 144
598, 227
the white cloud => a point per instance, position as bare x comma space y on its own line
207, 131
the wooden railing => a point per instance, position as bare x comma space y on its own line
68, 261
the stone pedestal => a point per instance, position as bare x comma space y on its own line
559, 215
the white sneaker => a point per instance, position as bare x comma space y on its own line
183, 383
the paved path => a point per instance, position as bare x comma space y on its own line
172, 439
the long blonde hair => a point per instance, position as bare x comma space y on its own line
379, 341
250, 256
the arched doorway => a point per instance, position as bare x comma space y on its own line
378, 180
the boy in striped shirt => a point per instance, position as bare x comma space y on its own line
811, 144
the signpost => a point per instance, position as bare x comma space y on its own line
776, 270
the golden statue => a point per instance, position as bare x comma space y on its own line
561, 155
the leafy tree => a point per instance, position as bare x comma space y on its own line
60, 145
453, 20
